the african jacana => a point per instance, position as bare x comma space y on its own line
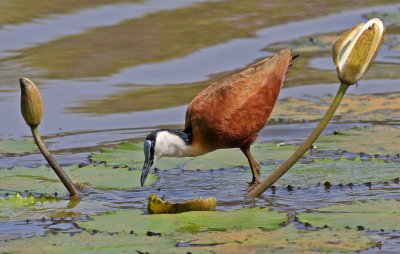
227, 114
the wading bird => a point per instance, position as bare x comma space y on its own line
227, 114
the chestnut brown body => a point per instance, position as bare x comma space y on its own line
231, 112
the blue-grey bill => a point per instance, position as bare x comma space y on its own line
145, 171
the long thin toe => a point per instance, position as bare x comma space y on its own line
252, 185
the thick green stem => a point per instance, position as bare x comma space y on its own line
73, 191
283, 168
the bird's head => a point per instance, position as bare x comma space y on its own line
149, 148
162, 143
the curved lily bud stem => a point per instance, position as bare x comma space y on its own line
283, 168
72, 189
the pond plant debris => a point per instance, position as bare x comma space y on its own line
156, 205
353, 53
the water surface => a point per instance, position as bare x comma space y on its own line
73, 134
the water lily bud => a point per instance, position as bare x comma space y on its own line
31, 103
355, 50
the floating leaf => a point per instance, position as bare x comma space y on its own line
45, 206
44, 180
195, 221
17, 200
37, 180
283, 240
336, 172
16, 207
369, 139
123, 154
396, 47
102, 177
17, 147
87, 243
389, 18
372, 215
318, 42
353, 108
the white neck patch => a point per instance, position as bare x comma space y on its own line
170, 145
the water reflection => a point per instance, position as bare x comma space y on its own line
14, 37
238, 52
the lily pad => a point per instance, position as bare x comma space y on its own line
18, 200
37, 180
194, 221
318, 42
87, 243
372, 215
283, 240
369, 139
17, 147
337, 172
129, 154
123, 154
389, 18
15, 207
44, 180
102, 177
50, 207
354, 108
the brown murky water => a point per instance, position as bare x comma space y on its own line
100, 86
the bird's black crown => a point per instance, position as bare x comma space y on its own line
187, 137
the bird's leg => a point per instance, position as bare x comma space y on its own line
255, 167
